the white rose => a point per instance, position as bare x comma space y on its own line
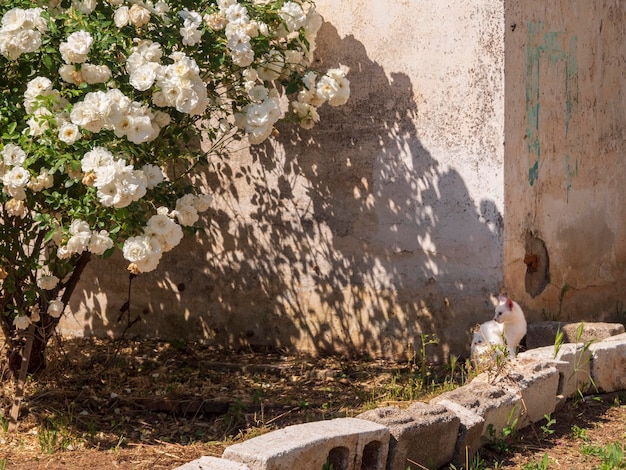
69, 74
79, 226
21, 322
153, 174
138, 15
13, 155
292, 15
203, 202
79, 242
16, 177
121, 17
94, 74
69, 133
100, 242
47, 282
190, 35
143, 77
36, 87
76, 48
13, 19
139, 248
186, 215
85, 6
96, 158
55, 308
334, 87
16, 208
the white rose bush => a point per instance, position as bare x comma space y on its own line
100, 101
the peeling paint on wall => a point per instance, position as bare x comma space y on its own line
556, 48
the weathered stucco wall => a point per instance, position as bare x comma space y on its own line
565, 184
382, 224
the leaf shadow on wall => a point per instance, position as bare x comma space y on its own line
347, 238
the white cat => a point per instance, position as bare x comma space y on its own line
510, 315
487, 342
505, 331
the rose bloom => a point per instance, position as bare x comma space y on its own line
153, 174
100, 242
79, 226
47, 282
13, 155
203, 202
16, 177
186, 215
16, 208
138, 15
79, 242
55, 308
142, 77
121, 17
69, 133
21, 322
140, 249
96, 158
94, 74
76, 48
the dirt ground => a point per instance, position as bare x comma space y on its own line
149, 405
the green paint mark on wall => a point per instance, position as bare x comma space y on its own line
571, 171
550, 49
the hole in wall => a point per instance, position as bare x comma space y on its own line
372, 456
338, 458
537, 265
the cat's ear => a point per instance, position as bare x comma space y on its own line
509, 303
502, 298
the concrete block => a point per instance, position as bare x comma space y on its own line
608, 365
346, 443
573, 361
212, 463
422, 434
469, 438
536, 384
497, 405
543, 333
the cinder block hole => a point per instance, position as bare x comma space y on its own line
338, 458
373, 456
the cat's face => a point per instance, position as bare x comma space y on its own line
503, 309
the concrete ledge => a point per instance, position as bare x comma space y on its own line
544, 333
212, 463
573, 361
469, 439
415, 432
346, 443
498, 406
608, 365
449, 428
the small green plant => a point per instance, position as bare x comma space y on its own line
3, 464
426, 340
579, 433
501, 444
546, 429
549, 316
541, 465
558, 341
611, 455
54, 435
328, 466
4, 423
477, 463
